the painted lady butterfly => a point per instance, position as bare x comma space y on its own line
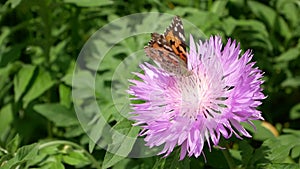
168, 50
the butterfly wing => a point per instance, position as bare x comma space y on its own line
168, 50
175, 37
177, 27
167, 60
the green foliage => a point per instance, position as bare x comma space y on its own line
39, 45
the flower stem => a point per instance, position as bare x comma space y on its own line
227, 155
228, 158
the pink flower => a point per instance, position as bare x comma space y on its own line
223, 90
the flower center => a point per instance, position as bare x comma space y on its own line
200, 95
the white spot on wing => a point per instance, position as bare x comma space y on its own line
175, 29
181, 36
168, 48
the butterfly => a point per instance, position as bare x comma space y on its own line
168, 50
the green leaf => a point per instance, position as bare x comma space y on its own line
216, 159
5, 32
290, 10
280, 147
120, 84
68, 79
255, 25
122, 142
253, 31
5, 80
219, 7
251, 157
281, 166
41, 84
49, 147
111, 159
261, 133
99, 129
56, 165
27, 152
23, 155
65, 95
22, 79
90, 3
129, 163
172, 161
58, 114
13, 145
291, 131
83, 84
295, 152
229, 25
13, 3
259, 156
269, 15
291, 54
279, 152
76, 158
74, 131
6, 118
291, 82
246, 152
11, 55
109, 61
236, 154
295, 112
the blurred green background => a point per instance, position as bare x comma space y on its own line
41, 39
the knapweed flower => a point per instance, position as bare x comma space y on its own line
222, 90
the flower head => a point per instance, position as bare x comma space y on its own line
222, 90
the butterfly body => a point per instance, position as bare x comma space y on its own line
168, 50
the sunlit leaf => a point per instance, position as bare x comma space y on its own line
42, 83
89, 3
27, 152
23, 155
76, 158
22, 79
65, 95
